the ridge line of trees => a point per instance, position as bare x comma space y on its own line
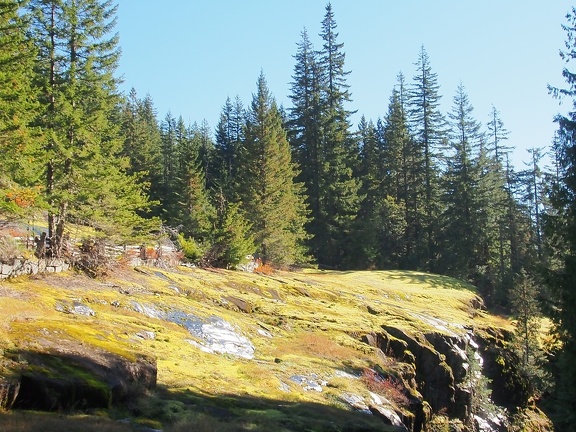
417, 189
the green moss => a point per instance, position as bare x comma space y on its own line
60, 368
309, 317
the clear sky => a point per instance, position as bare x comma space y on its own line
190, 55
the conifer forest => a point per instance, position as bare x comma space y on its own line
298, 185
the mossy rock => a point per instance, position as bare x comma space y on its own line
56, 382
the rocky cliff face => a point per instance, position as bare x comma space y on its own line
436, 371
291, 351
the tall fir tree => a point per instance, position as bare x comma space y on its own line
169, 183
498, 199
519, 231
195, 213
305, 126
142, 144
462, 233
428, 128
340, 199
402, 158
490, 272
85, 175
497, 135
21, 169
533, 183
365, 244
229, 137
270, 196
206, 150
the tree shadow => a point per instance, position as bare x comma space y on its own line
186, 408
434, 280
69, 384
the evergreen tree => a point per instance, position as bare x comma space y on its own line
428, 129
271, 198
365, 244
206, 151
340, 199
142, 143
229, 137
499, 199
18, 141
490, 271
533, 183
305, 126
519, 230
524, 300
462, 232
169, 183
195, 212
396, 143
86, 178
562, 225
401, 159
497, 134
232, 240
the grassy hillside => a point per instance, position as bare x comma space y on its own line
300, 338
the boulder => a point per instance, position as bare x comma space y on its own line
388, 416
240, 304
59, 381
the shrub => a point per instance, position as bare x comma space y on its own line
93, 259
265, 269
390, 387
190, 248
9, 249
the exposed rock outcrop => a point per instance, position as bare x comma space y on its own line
440, 364
510, 388
300, 353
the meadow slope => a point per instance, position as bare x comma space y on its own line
226, 350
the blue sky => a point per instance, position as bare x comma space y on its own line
190, 55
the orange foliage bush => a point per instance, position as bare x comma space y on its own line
151, 253
22, 197
265, 269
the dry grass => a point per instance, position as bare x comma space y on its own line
315, 345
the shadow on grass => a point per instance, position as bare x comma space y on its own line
408, 276
434, 280
65, 385
35, 421
190, 409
